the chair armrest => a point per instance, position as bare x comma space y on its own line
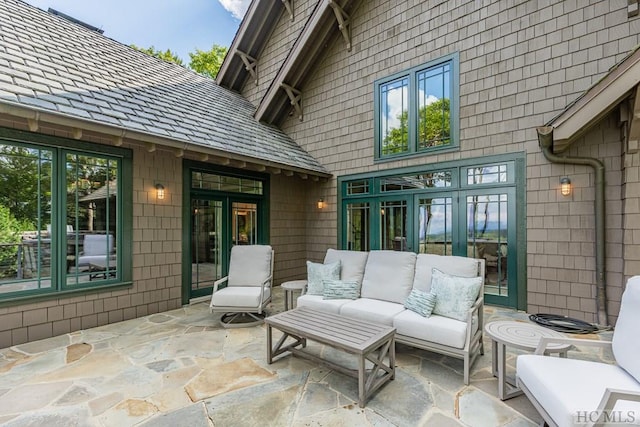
544, 341
218, 283
611, 397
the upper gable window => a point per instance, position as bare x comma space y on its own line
416, 111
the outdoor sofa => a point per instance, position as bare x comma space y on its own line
387, 281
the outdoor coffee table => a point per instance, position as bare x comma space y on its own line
368, 341
521, 335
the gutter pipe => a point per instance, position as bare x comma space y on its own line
545, 140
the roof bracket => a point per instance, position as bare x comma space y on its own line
295, 97
630, 113
288, 4
250, 64
344, 22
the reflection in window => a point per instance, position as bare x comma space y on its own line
394, 116
358, 215
435, 226
422, 181
244, 223
487, 174
434, 110
358, 187
232, 184
393, 225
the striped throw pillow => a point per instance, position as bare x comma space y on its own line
337, 289
421, 302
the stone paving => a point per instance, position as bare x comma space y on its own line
180, 368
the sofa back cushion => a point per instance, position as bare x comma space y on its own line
453, 265
352, 264
626, 345
388, 276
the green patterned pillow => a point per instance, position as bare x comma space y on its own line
337, 289
421, 302
454, 295
317, 273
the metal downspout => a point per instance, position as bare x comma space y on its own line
545, 139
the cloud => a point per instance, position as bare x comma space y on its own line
237, 7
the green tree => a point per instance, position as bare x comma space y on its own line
10, 235
167, 55
208, 62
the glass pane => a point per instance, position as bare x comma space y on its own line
358, 187
25, 218
206, 243
394, 116
423, 181
209, 181
434, 109
358, 215
244, 223
487, 238
487, 174
393, 225
435, 226
90, 229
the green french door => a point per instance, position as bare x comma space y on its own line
208, 245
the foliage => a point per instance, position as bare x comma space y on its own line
10, 234
208, 63
167, 55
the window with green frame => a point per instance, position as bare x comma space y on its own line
62, 216
416, 111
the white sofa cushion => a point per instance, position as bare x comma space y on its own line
352, 264
372, 310
235, 296
436, 329
317, 302
626, 345
453, 265
562, 391
249, 265
388, 276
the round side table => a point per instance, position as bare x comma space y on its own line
520, 335
289, 288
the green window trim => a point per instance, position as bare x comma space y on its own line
118, 216
414, 109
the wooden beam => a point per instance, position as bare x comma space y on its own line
303, 176
261, 168
34, 124
76, 133
204, 157
250, 64
288, 173
151, 147
288, 4
118, 141
275, 171
344, 22
179, 152
295, 98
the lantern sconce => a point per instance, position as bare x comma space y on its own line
565, 186
160, 191
321, 204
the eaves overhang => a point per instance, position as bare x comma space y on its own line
252, 35
600, 99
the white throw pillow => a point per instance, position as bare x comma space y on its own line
454, 295
318, 273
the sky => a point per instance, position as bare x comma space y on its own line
179, 25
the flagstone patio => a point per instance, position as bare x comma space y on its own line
180, 368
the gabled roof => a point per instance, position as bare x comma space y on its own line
68, 74
601, 98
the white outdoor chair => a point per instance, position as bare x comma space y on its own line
96, 249
248, 289
569, 392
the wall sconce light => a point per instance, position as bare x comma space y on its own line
160, 191
565, 186
321, 204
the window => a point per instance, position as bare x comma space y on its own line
60, 217
416, 111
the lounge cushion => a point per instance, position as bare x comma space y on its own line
257, 257
562, 391
626, 345
453, 265
317, 302
352, 264
318, 273
454, 294
235, 296
372, 310
388, 276
436, 329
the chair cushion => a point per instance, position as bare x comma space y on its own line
420, 302
339, 289
453, 265
318, 273
436, 329
372, 310
250, 265
97, 244
317, 302
388, 276
235, 296
352, 263
567, 387
454, 295
626, 345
